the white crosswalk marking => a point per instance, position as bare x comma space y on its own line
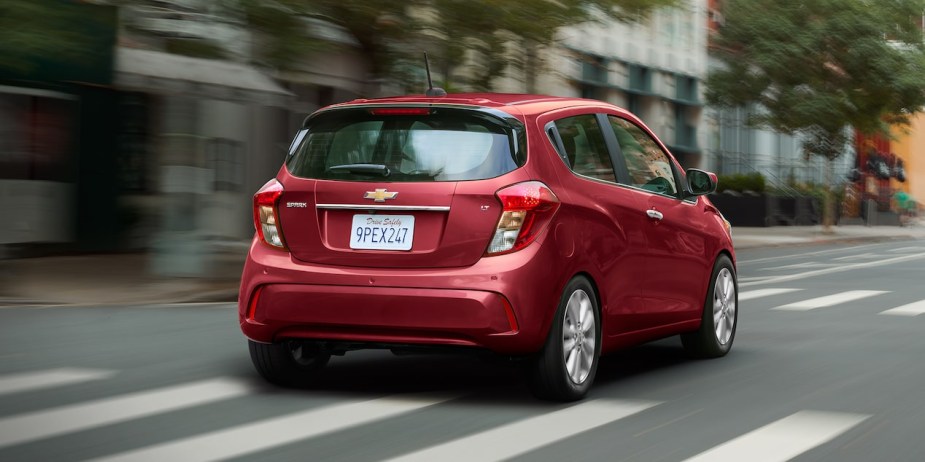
859, 256
247, 439
912, 309
521, 437
830, 300
809, 264
28, 381
906, 249
43, 424
752, 294
784, 439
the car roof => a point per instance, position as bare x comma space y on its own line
513, 103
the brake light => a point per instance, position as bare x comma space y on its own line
266, 214
527, 208
400, 111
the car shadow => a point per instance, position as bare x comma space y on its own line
487, 380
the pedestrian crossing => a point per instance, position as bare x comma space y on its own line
51, 422
773, 440
783, 439
829, 300
832, 300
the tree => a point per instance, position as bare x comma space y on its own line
820, 67
393, 34
488, 26
64, 40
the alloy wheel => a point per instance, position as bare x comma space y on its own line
724, 306
578, 336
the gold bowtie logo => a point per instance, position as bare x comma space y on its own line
380, 195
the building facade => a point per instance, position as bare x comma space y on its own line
653, 68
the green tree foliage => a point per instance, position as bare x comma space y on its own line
55, 39
488, 27
392, 34
817, 67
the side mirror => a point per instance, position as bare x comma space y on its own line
700, 182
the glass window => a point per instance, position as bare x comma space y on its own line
585, 147
443, 145
649, 166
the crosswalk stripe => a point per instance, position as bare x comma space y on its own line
521, 437
752, 294
246, 439
784, 439
28, 381
829, 300
82, 416
859, 256
912, 309
809, 264
906, 249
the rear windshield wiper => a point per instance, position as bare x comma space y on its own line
361, 169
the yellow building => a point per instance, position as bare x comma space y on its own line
909, 145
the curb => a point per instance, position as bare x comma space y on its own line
812, 241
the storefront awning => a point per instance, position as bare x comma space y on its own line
159, 72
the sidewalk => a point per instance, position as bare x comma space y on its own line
126, 279
109, 280
749, 238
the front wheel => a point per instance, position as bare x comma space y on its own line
287, 363
720, 314
565, 368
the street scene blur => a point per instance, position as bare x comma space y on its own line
135, 133
139, 130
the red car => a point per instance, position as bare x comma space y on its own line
547, 228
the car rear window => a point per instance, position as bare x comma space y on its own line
422, 144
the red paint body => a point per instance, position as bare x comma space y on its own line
651, 276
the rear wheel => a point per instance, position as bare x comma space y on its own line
288, 362
720, 314
565, 368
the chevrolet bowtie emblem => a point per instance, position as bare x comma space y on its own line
380, 195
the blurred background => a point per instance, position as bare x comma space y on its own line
133, 133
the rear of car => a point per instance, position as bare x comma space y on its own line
400, 225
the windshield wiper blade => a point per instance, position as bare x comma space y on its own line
367, 169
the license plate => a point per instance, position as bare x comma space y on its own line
382, 232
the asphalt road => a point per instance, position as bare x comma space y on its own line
827, 365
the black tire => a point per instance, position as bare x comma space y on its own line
287, 363
550, 377
720, 306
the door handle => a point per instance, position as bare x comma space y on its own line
654, 214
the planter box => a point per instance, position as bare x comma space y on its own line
742, 210
765, 210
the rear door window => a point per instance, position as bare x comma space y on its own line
442, 145
649, 167
584, 147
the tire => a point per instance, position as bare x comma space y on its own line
565, 368
287, 363
720, 314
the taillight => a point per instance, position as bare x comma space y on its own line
266, 214
527, 208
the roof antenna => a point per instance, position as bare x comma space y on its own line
431, 91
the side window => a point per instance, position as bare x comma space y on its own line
585, 148
649, 166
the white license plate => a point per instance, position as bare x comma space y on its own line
382, 232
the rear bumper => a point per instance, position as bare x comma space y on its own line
497, 304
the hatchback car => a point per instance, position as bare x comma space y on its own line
546, 228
